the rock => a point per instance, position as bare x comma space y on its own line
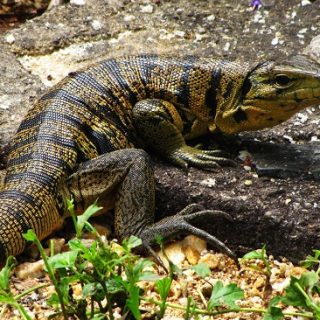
29, 270
146, 9
313, 49
192, 247
174, 253
211, 260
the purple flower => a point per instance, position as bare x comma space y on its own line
255, 4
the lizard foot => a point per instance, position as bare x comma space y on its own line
204, 159
182, 223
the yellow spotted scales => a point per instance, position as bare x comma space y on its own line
85, 137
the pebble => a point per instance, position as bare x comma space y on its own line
5, 102
301, 117
279, 286
305, 3
96, 25
244, 155
206, 289
211, 17
201, 30
248, 183
303, 30
78, 2
275, 41
179, 33
129, 18
146, 9
192, 247
211, 260
176, 290
209, 182
174, 253
183, 301
10, 38
29, 270
227, 46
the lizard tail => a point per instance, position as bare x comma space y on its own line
20, 211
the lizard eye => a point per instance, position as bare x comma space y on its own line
282, 80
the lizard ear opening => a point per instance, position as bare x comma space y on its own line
246, 87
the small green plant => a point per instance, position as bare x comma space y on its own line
259, 255
98, 270
6, 295
109, 277
299, 292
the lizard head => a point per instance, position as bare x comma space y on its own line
271, 93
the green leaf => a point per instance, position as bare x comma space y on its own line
309, 279
70, 205
89, 290
163, 286
274, 312
98, 316
93, 289
77, 245
293, 296
131, 242
148, 276
89, 212
297, 292
158, 239
63, 260
135, 271
202, 270
133, 302
310, 261
53, 300
30, 236
255, 254
274, 301
7, 298
225, 295
6, 272
115, 285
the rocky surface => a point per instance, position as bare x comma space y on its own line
283, 213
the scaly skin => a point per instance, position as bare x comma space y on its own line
67, 144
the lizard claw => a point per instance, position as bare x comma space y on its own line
182, 223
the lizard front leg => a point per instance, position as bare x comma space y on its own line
160, 126
124, 180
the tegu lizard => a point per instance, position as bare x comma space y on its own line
85, 137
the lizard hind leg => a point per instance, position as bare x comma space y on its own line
122, 180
